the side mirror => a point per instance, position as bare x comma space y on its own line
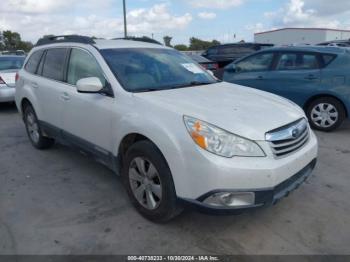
231, 68
89, 85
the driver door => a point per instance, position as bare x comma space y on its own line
87, 117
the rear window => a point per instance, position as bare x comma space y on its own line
11, 63
33, 61
213, 51
234, 49
54, 63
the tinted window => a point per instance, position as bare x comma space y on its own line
212, 51
11, 63
327, 59
33, 61
296, 61
148, 69
256, 63
237, 49
54, 63
83, 65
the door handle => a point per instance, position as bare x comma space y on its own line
34, 85
65, 96
311, 77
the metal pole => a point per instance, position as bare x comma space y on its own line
125, 26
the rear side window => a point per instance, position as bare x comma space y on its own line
54, 63
327, 59
33, 61
297, 61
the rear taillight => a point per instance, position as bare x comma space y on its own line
2, 82
17, 77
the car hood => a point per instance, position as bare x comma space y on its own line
240, 110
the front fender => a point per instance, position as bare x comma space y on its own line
166, 134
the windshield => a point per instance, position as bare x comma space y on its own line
11, 63
149, 69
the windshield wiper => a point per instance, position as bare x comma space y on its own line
146, 90
193, 83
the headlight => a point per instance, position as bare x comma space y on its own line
219, 141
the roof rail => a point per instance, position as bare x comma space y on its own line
139, 39
65, 39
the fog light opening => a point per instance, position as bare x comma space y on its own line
231, 199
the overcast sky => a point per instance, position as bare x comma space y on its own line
181, 19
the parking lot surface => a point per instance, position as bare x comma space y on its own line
60, 202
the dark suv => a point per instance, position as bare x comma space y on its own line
225, 54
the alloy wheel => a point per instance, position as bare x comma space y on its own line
145, 183
33, 128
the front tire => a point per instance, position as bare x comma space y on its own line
326, 114
149, 182
34, 130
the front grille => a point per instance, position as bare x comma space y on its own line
288, 139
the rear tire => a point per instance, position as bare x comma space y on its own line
149, 182
34, 130
326, 114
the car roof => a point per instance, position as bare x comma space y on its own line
320, 49
241, 44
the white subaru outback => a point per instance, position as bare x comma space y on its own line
176, 135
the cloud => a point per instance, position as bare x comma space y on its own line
206, 15
218, 4
327, 7
49, 6
296, 13
255, 28
33, 25
157, 19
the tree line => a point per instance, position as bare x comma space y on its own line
13, 41
195, 44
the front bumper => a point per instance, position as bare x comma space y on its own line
263, 197
7, 94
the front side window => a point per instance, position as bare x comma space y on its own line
33, 61
83, 65
153, 69
256, 63
11, 63
54, 63
297, 61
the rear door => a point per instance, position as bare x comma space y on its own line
251, 71
296, 76
49, 87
